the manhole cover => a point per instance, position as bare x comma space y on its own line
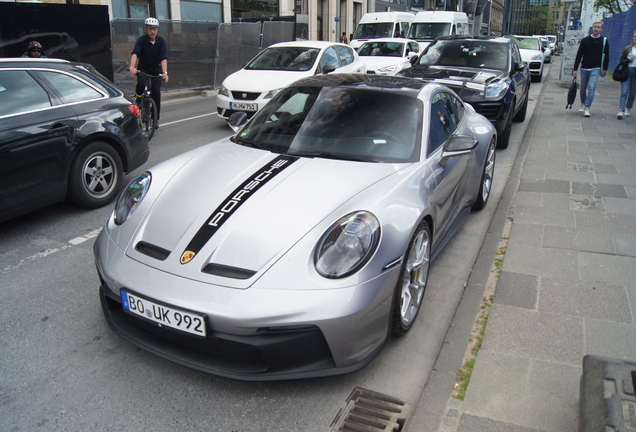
369, 411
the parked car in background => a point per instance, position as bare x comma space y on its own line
429, 25
486, 72
66, 132
250, 88
374, 25
295, 248
388, 56
531, 50
547, 51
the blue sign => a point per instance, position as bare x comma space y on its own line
336, 19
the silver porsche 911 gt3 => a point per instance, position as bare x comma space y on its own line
298, 246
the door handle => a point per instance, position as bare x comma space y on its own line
58, 130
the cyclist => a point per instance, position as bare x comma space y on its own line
34, 50
151, 51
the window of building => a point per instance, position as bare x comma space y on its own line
202, 11
555, 15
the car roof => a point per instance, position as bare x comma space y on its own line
394, 40
410, 86
307, 43
495, 39
27, 60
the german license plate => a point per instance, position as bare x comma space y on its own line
243, 106
163, 315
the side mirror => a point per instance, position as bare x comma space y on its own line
458, 145
328, 68
237, 121
520, 66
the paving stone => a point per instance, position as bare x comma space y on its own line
610, 339
526, 393
599, 190
619, 205
544, 216
529, 235
553, 186
541, 261
516, 289
615, 222
584, 239
612, 269
625, 243
585, 299
540, 335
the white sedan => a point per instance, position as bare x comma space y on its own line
279, 65
388, 56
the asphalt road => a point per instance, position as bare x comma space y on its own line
62, 368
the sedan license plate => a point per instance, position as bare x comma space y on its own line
163, 315
243, 106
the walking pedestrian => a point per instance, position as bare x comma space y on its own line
593, 56
151, 51
628, 88
343, 38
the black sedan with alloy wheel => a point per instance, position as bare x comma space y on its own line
486, 72
66, 133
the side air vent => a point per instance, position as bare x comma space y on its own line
368, 411
228, 272
152, 251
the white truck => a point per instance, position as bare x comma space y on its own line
375, 25
428, 25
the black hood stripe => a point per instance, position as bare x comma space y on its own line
233, 202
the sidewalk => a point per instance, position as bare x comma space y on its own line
567, 283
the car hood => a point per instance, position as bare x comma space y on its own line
260, 81
302, 196
527, 54
467, 82
377, 62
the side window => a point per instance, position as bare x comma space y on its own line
329, 57
19, 93
346, 55
443, 120
71, 89
405, 29
516, 55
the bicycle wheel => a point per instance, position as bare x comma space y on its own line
148, 116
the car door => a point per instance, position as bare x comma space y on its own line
35, 130
343, 58
519, 76
449, 196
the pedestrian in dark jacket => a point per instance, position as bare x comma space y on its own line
593, 56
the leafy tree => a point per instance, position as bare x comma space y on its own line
539, 18
614, 6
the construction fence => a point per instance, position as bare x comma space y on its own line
201, 54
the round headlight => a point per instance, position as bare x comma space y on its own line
347, 245
131, 197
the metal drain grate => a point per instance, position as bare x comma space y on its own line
368, 411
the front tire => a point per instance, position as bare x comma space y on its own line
487, 176
149, 117
96, 175
504, 137
411, 286
521, 115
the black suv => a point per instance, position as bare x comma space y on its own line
66, 132
486, 72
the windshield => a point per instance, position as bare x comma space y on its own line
383, 49
374, 31
528, 43
473, 54
345, 123
428, 31
285, 59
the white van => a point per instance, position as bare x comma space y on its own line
428, 25
375, 25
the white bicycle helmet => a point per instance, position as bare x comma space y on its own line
152, 22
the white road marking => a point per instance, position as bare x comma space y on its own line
51, 251
186, 119
82, 239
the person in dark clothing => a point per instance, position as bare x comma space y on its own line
593, 56
151, 51
34, 50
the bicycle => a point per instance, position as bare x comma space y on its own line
147, 106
